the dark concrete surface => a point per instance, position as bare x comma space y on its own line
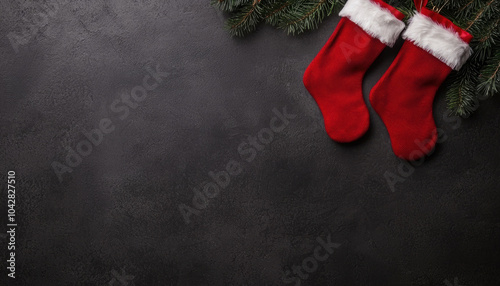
116, 218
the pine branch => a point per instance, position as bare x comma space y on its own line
465, 11
485, 39
461, 95
275, 11
305, 15
481, 12
490, 77
245, 19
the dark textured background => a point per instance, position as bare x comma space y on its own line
117, 213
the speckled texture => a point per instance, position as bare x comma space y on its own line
117, 214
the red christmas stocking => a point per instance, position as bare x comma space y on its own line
403, 97
334, 76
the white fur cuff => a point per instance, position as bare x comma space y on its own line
375, 20
445, 44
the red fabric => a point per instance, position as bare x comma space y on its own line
419, 4
403, 96
403, 99
334, 80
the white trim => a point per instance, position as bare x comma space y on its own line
443, 43
375, 20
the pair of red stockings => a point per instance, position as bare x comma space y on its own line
403, 97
